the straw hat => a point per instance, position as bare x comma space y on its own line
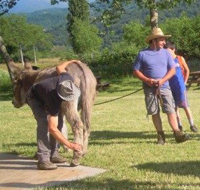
68, 91
156, 33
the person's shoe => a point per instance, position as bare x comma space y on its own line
46, 166
180, 136
194, 129
58, 159
180, 127
161, 137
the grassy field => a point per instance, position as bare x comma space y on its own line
122, 141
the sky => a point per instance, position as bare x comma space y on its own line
27, 6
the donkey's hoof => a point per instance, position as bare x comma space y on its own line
74, 164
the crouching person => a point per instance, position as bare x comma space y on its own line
45, 98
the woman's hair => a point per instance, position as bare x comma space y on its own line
170, 45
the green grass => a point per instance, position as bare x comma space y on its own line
122, 141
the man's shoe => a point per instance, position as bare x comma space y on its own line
46, 166
180, 136
194, 129
161, 137
58, 159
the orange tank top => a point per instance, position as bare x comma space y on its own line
180, 60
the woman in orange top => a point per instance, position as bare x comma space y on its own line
185, 72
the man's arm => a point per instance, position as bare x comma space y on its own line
62, 67
52, 124
148, 81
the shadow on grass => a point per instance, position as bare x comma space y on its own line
96, 135
197, 88
107, 184
108, 135
113, 184
179, 168
14, 148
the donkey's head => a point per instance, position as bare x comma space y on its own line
21, 83
19, 92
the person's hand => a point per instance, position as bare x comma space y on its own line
76, 147
152, 82
161, 82
75, 61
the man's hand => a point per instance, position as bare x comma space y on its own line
152, 82
62, 67
161, 82
75, 61
76, 147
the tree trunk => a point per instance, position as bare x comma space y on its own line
154, 18
35, 57
22, 56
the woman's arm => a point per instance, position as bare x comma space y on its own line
187, 71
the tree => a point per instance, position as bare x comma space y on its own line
185, 34
77, 10
135, 33
6, 5
18, 34
152, 5
86, 39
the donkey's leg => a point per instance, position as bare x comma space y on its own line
69, 109
85, 140
65, 133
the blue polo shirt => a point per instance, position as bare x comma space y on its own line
154, 64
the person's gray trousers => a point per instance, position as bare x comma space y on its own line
47, 146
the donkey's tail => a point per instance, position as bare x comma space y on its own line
88, 93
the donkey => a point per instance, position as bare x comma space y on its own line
23, 79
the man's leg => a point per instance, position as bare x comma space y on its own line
43, 144
157, 122
158, 125
152, 107
190, 119
179, 135
173, 121
168, 107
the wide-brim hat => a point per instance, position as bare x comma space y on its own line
156, 33
68, 91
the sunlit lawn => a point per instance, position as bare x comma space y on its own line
122, 141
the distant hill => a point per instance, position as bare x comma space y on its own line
48, 18
54, 20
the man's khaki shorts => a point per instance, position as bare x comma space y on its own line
164, 97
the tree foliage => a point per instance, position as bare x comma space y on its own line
77, 10
185, 34
6, 5
116, 8
16, 33
86, 39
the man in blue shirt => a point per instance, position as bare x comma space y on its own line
155, 66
